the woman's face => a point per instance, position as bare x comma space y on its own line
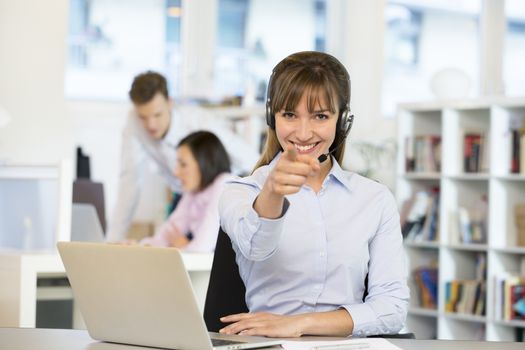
187, 169
311, 133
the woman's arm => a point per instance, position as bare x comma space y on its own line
331, 323
171, 232
385, 307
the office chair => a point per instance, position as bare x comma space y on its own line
90, 192
226, 290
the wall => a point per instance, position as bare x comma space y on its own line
32, 55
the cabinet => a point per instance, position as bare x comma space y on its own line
492, 187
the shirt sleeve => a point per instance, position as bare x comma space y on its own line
205, 236
257, 238
385, 307
176, 224
132, 163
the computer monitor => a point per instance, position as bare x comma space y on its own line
35, 205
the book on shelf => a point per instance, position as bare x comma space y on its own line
426, 280
474, 152
469, 224
509, 297
519, 215
423, 153
466, 297
420, 216
517, 150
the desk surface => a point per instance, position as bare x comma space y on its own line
65, 339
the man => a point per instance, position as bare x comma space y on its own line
152, 131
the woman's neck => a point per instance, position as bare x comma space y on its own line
316, 181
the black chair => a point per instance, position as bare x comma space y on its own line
226, 290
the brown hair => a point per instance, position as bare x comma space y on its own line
317, 74
146, 85
210, 154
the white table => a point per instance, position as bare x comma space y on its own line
19, 272
60, 339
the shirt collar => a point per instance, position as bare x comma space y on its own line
171, 136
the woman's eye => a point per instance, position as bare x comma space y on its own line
288, 115
321, 116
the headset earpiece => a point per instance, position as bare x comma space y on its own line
345, 122
270, 117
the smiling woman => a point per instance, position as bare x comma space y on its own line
306, 233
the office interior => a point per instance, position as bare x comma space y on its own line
435, 68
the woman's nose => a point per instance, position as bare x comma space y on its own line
305, 130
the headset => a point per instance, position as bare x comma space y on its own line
344, 121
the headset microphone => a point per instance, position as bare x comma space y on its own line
324, 156
347, 119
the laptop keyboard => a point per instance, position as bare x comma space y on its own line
222, 342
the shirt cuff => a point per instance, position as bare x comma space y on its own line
365, 320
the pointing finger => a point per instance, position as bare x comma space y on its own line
291, 153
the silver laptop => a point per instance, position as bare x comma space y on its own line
85, 225
141, 296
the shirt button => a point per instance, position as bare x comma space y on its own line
322, 254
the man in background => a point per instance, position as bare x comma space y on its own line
153, 129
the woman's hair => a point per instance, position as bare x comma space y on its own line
146, 85
319, 75
210, 154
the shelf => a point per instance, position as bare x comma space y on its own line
470, 177
510, 177
513, 323
510, 250
472, 247
424, 244
422, 176
465, 317
421, 311
238, 112
488, 196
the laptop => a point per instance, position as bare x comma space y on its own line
85, 225
142, 296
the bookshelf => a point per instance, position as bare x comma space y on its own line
476, 237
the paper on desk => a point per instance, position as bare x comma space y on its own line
346, 344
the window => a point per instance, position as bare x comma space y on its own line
423, 39
514, 51
251, 40
111, 41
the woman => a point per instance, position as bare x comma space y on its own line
203, 167
307, 233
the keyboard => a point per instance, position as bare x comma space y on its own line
221, 342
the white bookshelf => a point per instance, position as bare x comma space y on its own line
454, 259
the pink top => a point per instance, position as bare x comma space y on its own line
198, 213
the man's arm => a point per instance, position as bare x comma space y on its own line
130, 181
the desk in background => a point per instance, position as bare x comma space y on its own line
19, 272
60, 339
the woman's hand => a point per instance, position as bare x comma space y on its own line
179, 241
263, 324
287, 177
291, 172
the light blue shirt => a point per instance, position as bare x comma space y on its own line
316, 256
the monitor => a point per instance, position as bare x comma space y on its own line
35, 205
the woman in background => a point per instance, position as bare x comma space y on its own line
202, 167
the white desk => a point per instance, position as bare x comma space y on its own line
60, 339
19, 272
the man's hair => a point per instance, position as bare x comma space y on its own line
146, 85
210, 154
